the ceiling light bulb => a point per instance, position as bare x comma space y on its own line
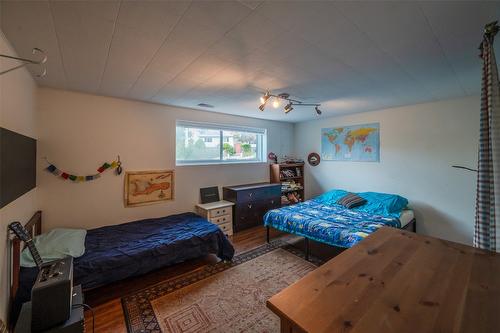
262, 100
318, 111
276, 103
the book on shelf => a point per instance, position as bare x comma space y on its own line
291, 186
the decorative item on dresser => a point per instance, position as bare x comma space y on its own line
291, 178
252, 201
218, 212
209, 194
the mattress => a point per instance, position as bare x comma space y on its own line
406, 216
117, 252
331, 224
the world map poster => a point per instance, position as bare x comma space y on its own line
351, 143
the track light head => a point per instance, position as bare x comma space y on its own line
264, 98
318, 111
288, 107
262, 106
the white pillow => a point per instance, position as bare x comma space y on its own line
56, 244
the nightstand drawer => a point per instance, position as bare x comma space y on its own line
227, 228
221, 219
220, 211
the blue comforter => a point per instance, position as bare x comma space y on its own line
327, 223
117, 252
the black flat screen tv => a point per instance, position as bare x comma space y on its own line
17, 165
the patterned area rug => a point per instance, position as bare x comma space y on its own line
225, 297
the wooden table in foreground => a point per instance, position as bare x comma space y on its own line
396, 281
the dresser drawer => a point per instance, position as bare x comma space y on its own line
258, 206
221, 219
253, 195
227, 228
242, 222
220, 211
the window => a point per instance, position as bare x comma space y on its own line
200, 143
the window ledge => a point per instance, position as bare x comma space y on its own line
218, 163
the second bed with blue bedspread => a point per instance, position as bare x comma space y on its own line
328, 223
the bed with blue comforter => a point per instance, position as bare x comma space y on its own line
117, 252
323, 220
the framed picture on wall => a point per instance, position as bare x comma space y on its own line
148, 187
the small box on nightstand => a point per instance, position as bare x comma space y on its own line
220, 213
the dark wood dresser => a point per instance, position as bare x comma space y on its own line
251, 202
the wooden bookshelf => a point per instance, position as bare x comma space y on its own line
296, 176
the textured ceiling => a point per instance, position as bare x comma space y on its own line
349, 56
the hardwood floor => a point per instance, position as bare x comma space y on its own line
106, 301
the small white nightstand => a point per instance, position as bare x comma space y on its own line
220, 213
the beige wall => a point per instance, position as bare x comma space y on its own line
17, 108
79, 131
418, 145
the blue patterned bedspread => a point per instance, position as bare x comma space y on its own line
327, 223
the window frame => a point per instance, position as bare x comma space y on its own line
261, 142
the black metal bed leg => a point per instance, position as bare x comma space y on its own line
306, 240
267, 234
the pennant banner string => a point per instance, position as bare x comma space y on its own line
65, 175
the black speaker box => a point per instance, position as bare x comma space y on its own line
51, 296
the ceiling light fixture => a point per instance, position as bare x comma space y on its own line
289, 106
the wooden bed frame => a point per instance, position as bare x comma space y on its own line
34, 228
411, 226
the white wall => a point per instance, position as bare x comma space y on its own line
418, 145
17, 107
78, 132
